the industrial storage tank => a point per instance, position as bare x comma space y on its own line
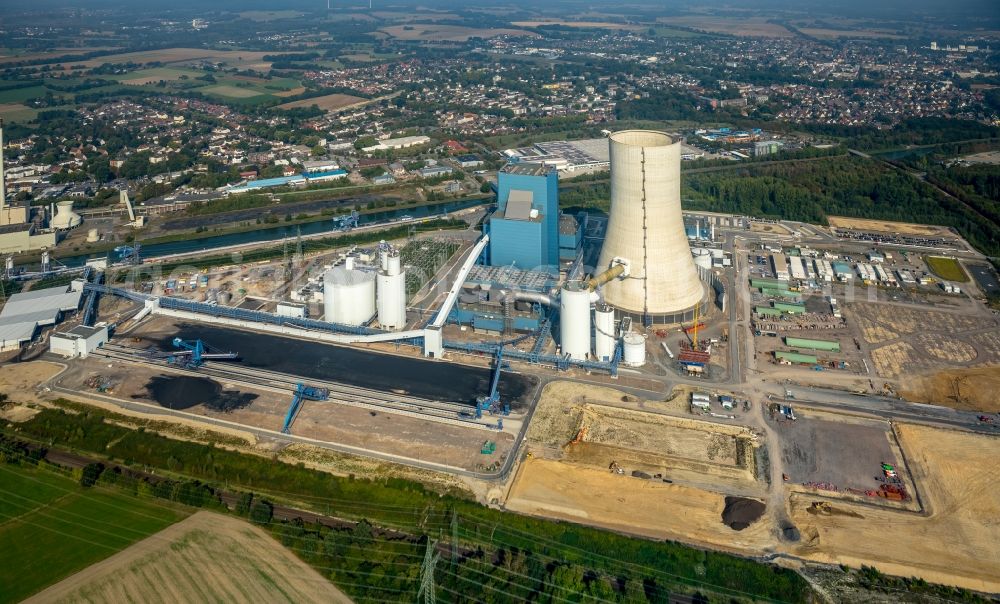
646, 230
225, 298
65, 217
634, 353
93, 236
574, 320
348, 295
604, 332
391, 291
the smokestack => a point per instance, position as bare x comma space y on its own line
3, 179
646, 229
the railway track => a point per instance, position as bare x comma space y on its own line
441, 411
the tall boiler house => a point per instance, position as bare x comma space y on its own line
646, 231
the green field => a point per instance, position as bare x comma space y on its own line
947, 268
50, 527
19, 95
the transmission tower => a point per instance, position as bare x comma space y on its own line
427, 587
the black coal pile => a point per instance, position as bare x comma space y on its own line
741, 512
184, 392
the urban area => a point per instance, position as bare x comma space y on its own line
316, 302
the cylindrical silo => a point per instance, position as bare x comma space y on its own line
634, 349
348, 296
574, 320
702, 258
646, 230
604, 332
391, 292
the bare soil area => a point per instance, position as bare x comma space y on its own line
964, 389
205, 558
330, 102
955, 543
885, 226
19, 380
654, 509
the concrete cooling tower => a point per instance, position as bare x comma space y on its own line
646, 230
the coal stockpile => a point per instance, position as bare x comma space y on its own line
740, 512
184, 392
432, 380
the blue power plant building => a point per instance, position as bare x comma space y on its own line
524, 229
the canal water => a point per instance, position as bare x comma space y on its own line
277, 233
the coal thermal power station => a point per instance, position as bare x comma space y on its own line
646, 231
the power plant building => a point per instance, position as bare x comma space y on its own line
646, 231
524, 229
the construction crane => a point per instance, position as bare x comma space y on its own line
491, 402
302, 393
194, 353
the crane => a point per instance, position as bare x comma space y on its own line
302, 393
491, 402
194, 353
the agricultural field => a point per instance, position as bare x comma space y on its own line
265, 16
330, 102
734, 26
948, 269
425, 32
236, 58
145, 77
581, 24
230, 92
15, 112
208, 558
48, 519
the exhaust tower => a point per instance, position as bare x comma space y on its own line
646, 230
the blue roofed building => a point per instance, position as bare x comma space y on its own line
524, 229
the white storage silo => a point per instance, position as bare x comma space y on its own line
634, 353
646, 229
604, 332
574, 320
391, 292
348, 295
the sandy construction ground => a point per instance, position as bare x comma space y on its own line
966, 389
19, 380
955, 544
205, 558
885, 226
645, 507
330, 102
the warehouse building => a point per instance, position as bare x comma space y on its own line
825, 345
24, 313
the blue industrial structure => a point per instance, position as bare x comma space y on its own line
193, 354
302, 393
570, 237
491, 402
524, 229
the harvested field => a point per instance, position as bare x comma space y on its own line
16, 112
650, 508
152, 76
954, 544
206, 558
265, 16
735, 26
293, 92
818, 32
965, 389
426, 32
885, 226
330, 102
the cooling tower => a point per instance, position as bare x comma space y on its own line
646, 230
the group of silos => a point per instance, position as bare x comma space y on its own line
353, 295
646, 236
